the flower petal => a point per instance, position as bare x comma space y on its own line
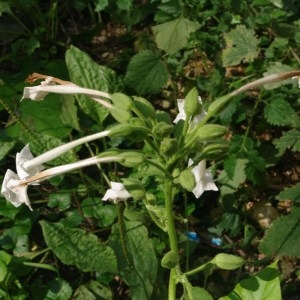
116, 193
21, 158
13, 190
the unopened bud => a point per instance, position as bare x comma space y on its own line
170, 260
187, 180
168, 146
131, 158
228, 261
214, 151
191, 103
162, 130
210, 132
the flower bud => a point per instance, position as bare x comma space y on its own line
187, 180
162, 130
144, 107
214, 151
228, 261
131, 158
121, 100
170, 260
209, 132
218, 105
168, 146
191, 103
134, 187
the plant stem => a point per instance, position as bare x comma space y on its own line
172, 237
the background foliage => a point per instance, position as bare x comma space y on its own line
158, 50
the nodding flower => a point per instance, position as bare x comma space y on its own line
55, 85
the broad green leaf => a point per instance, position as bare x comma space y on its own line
263, 286
94, 207
231, 184
283, 237
60, 200
76, 247
289, 140
41, 117
58, 289
292, 193
85, 72
93, 290
279, 112
68, 114
124, 4
173, 35
4, 7
100, 5
241, 44
146, 73
142, 275
168, 10
5, 147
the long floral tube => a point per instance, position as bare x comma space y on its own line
54, 153
48, 173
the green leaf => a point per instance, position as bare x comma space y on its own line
68, 114
146, 73
60, 200
4, 7
5, 147
124, 4
100, 5
76, 247
168, 10
58, 289
279, 112
292, 193
42, 117
173, 35
283, 237
289, 140
241, 44
94, 207
86, 73
265, 285
93, 290
142, 277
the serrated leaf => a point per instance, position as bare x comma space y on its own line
241, 44
289, 140
264, 285
168, 10
93, 290
292, 193
279, 112
58, 289
86, 73
142, 277
274, 68
146, 73
283, 237
173, 35
76, 247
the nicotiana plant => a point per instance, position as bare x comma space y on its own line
175, 154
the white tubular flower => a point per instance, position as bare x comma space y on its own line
14, 189
65, 87
182, 115
27, 165
203, 177
116, 193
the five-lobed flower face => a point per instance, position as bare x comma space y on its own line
203, 178
182, 114
116, 193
